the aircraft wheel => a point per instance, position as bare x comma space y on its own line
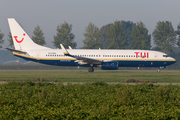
91, 69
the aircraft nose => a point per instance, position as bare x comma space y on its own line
173, 59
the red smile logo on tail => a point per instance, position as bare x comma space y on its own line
18, 40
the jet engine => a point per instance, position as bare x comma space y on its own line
109, 65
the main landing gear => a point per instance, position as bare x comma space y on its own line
91, 69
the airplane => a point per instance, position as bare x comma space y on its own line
106, 59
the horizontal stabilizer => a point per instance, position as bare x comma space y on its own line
12, 50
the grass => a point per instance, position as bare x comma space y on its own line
165, 76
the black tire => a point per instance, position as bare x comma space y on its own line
91, 69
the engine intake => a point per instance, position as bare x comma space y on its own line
109, 65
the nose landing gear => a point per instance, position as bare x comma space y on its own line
161, 67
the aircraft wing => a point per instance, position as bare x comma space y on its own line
88, 60
81, 60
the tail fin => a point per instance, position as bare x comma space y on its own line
20, 38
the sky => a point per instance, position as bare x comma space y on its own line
48, 14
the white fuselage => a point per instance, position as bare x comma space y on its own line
129, 58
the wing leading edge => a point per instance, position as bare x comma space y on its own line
81, 60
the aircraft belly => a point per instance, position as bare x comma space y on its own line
58, 62
144, 63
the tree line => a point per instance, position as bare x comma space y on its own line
129, 35
116, 35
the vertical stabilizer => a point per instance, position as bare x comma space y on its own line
20, 38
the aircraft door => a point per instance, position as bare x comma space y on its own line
37, 55
155, 56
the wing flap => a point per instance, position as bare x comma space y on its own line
89, 60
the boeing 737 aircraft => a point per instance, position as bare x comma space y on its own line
104, 58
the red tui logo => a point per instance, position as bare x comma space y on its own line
146, 55
19, 41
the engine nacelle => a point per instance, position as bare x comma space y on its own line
109, 65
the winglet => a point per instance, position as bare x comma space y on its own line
64, 50
70, 47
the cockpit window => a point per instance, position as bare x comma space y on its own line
165, 55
